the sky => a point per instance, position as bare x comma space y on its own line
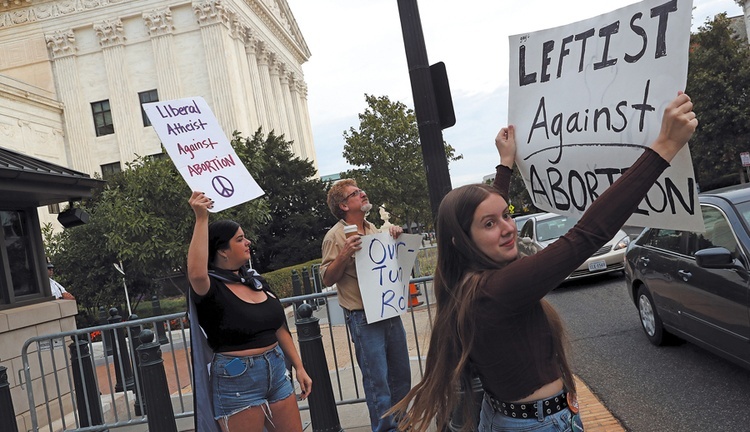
357, 48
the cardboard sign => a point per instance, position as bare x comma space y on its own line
588, 97
201, 151
384, 267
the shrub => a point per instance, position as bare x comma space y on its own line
281, 279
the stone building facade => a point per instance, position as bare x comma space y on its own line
96, 61
73, 75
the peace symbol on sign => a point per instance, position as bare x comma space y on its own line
223, 186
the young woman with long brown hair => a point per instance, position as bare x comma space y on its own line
491, 317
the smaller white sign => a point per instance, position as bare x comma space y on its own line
745, 157
384, 267
201, 151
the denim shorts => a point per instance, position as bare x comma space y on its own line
262, 379
493, 421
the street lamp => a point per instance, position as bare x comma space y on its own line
120, 269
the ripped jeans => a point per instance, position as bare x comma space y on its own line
261, 380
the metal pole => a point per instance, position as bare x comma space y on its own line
161, 332
84, 381
121, 269
107, 335
323, 412
7, 413
123, 369
155, 388
425, 104
139, 402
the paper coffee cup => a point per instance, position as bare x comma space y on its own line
350, 230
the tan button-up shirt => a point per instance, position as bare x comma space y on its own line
348, 286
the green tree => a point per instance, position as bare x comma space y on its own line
387, 155
719, 85
299, 216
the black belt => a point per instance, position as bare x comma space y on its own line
528, 410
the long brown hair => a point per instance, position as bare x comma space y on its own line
461, 270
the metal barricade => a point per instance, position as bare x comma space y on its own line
73, 385
339, 347
71, 382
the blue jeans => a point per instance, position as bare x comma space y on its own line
493, 421
384, 361
259, 380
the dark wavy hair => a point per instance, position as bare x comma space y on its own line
461, 270
219, 234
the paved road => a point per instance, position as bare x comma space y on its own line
648, 388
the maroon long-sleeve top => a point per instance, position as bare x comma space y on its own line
513, 348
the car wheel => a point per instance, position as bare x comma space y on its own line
650, 320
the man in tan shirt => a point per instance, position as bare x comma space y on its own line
381, 348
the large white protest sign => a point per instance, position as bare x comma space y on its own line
586, 98
201, 151
384, 268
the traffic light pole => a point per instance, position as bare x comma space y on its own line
425, 104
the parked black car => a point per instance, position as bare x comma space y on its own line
696, 285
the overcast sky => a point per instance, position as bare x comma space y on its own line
357, 47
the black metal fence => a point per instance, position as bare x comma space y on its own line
125, 372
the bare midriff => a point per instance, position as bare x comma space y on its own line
545, 392
250, 351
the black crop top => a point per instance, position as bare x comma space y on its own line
232, 324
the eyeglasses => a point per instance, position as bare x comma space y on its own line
357, 192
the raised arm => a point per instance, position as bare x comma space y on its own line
197, 259
600, 222
505, 142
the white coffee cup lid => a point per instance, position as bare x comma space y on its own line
350, 228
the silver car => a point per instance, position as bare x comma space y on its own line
539, 231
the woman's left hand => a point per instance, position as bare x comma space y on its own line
305, 383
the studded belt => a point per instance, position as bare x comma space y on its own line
529, 410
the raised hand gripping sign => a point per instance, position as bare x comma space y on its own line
201, 151
384, 267
587, 97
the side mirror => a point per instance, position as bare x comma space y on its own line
715, 258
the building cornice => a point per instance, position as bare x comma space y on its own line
275, 15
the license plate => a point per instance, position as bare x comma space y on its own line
597, 266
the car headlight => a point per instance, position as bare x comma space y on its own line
623, 243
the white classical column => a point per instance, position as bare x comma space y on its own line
289, 112
307, 127
248, 114
267, 89
236, 65
61, 46
278, 97
214, 24
123, 100
251, 46
301, 140
160, 28
746, 9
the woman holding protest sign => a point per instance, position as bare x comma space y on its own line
491, 316
244, 323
